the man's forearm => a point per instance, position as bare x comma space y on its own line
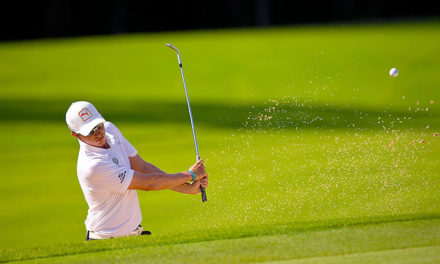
140, 165
183, 188
158, 181
150, 168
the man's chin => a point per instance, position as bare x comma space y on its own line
101, 142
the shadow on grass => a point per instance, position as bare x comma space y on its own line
269, 115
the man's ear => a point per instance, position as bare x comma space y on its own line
74, 134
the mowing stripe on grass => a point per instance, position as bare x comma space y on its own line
405, 255
349, 239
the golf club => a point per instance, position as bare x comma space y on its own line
202, 190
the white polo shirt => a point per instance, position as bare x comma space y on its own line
104, 176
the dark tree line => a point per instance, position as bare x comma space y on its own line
56, 18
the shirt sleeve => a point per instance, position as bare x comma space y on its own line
107, 176
129, 149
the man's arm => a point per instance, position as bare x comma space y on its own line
158, 181
137, 163
191, 188
148, 177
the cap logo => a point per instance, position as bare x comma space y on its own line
85, 114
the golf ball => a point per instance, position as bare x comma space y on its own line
394, 72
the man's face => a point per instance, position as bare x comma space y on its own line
97, 137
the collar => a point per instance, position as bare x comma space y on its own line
109, 139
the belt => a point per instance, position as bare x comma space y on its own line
137, 232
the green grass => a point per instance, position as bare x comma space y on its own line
315, 154
377, 238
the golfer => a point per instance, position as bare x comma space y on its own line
110, 171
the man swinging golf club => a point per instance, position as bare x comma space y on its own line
110, 171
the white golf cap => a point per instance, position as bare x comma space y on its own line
82, 117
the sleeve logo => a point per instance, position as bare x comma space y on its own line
85, 114
122, 176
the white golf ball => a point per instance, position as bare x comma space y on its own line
394, 72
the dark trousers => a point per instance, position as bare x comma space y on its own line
142, 234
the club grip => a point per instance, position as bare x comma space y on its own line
202, 190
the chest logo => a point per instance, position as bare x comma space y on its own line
115, 161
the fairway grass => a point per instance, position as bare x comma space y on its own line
315, 154
380, 241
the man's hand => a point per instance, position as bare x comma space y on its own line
201, 180
194, 188
199, 170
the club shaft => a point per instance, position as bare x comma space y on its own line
189, 108
202, 190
